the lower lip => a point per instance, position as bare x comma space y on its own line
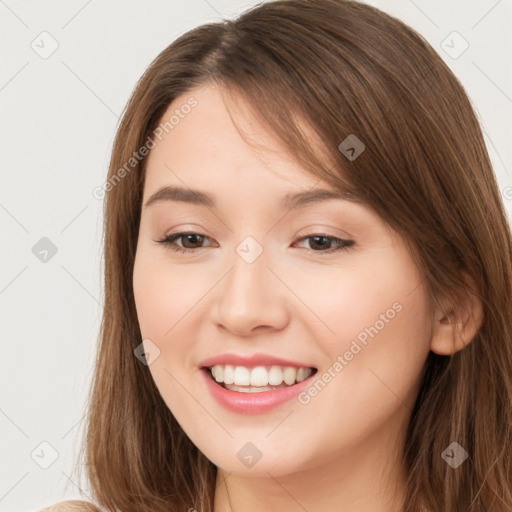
252, 403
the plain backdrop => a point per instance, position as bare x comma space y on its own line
68, 68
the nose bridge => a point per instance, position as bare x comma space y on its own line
250, 294
248, 280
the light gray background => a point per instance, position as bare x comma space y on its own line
58, 119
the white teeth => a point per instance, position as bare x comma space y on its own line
217, 372
259, 376
242, 376
229, 374
275, 375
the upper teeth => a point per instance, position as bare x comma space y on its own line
259, 375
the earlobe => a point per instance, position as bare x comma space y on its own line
456, 323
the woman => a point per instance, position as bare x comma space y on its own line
308, 276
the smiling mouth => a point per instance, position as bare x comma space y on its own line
264, 380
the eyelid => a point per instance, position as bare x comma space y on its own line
325, 230
170, 238
340, 244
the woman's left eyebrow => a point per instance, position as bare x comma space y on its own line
294, 200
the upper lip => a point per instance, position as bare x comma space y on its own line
252, 360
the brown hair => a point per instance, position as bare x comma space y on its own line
344, 68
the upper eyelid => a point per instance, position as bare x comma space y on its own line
327, 230
171, 238
180, 234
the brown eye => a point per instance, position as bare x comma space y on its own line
190, 241
326, 243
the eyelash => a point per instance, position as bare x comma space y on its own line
340, 245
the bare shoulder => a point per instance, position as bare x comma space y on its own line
71, 506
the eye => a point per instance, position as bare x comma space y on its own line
318, 242
332, 243
188, 238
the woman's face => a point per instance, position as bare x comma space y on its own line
265, 277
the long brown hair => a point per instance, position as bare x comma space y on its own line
344, 68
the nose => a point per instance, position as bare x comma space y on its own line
251, 297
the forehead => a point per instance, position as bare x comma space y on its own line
204, 146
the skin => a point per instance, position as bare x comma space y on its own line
340, 451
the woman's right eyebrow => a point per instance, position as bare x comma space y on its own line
290, 201
186, 195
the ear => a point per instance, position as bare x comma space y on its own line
456, 321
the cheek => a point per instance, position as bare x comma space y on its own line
382, 336
164, 300
163, 295
362, 302
372, 367
374, 318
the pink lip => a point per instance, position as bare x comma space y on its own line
250, 361
252, 403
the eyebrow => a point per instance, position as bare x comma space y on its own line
290, 201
